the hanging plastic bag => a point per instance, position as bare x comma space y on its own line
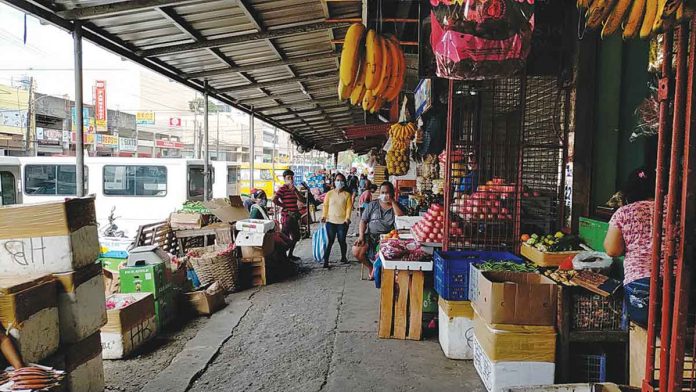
594, 261
320, 241
479, 39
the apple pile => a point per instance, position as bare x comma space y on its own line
431, 228
488, 203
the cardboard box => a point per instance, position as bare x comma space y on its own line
81, 303
112, 263
48, 237
499, 376
166, 308
255, 225
456, 329
29, 313
82, 362
206, 302
255, 244
112, 282
146, 279
130, 327
113, 247
516, 298
228, 212
516, 343
185, 220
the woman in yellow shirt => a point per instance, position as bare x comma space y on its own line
338, 205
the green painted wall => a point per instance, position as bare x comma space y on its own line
622, 85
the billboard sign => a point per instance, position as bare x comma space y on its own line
145, 118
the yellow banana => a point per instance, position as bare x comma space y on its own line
359, 90
598, 12
659, 23
351, 53
648, 18
386, 67
378, 105
397, 71
635, 18
373, 58
369, 100
615, 18
344, 91
583, 4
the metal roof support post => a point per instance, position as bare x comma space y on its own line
273, 157
206, 150
79, 128
253, 147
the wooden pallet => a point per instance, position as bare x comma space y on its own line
160, 234
258, 270
401, 305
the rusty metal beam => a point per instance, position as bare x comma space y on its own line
238, 39
256, 67
282, 82
403, 43
298, 104
102, 10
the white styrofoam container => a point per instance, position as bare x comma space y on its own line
456, 335
53, 254
499, 376
87, 377
82, 312
255, 225
118, 345
554, 388
38, 336
403, 265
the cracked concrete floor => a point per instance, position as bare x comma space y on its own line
313, 332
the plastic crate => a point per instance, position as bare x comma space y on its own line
451, 270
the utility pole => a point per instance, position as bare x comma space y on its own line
217, 137
273, 158
79, 128
206, 155
253, 147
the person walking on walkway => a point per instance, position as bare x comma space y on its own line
338, 206
287, 198
377, 219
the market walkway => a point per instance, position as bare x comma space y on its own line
313, 332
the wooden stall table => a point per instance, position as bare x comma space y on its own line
401, 299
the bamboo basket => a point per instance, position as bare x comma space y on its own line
215, 264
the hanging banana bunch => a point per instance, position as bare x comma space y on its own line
398, 156
372, 68
637, 18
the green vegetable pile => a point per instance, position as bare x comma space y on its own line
558, 242
195, 206
505, 266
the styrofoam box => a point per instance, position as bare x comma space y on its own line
38, 336
554, 388
119, 345
82, 312
499, 376
53, 254
87, 377
255, 225
456, 336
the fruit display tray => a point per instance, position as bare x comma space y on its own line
545, 259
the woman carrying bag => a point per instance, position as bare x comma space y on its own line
338, 205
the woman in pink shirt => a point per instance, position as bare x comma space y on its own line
630, 235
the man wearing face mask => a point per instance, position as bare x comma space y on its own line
287, 198
338, 206
377, 219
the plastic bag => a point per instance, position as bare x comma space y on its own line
592, 261
320, 241
478, 39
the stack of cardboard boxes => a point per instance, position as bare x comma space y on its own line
255, 239
52, 292
514, 328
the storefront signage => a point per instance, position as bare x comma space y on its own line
175, 122
100, 105
423, 96
88, 138
107, 140
87, 121
127, 144
169, 144
49, 136
66, 140
145, 118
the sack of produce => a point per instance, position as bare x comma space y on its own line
478, 39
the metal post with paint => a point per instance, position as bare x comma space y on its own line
79, 129
253, 147
206, 145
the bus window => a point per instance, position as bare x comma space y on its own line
196, 183
8, 189
122, 180
53, 180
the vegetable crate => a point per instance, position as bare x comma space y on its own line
545, 259
401, 305
593, 312
452, 268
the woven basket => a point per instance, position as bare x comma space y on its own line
215, 264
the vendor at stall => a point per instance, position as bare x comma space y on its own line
336, 214
630, 235
9, 351
258, 210
377, 219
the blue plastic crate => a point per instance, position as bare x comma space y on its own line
451, 270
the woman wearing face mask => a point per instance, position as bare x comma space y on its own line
377, 219
258, 210
337, 209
